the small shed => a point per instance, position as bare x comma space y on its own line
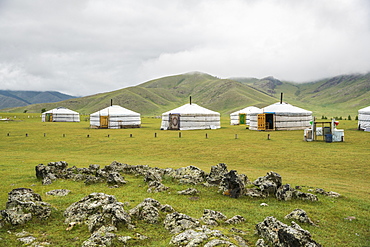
364, 119
280, 116
60, 114
115, 117
190, 117
243, 116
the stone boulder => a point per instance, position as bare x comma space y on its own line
188, 191
269, 184
286, 193
58, 192
211, 217
299, 215
329, 193
96, 210
188, 175
215, 176
232, 184
22, 205
177, 222
277, 233
236, 219
101, 237
156, 186
114, 178
148, 211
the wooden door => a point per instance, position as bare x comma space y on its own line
261, 124
48, 117
174, 122
104, 122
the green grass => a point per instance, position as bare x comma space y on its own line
340, 167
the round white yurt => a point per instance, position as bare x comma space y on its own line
280, 116
190, 117
242, 116
115, 117
60, 114
364, 118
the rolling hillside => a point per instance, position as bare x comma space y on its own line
338, 96
9, 98
157, 96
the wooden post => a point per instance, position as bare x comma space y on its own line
108, 136
130, 135
236, 136
268, 136
179, 134
155, 135
64, 135
8, 134
206, 135
44, 134
88, 136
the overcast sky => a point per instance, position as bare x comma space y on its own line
83, 47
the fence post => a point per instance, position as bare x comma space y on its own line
179, 134
206, 135
268, 136
236, 136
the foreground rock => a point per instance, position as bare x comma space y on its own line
232, 184
277, 233
178, 222
58, 192
299, 215
97, 210
22, 205
269, 184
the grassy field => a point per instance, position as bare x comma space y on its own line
340, 167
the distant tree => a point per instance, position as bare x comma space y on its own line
322, 117
356, 118
340, 118
349, 117
25, 111
43, 110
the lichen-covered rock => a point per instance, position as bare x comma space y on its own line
261, 243
188, 191
93, 180
148, 211
96, 210
177, 222
22, 205
236, 219
58, 192
153, 175
101, 237
156, 186
254, 192
215, 242
211, 217
299, 215
232, 184
166, 208
279, 234
114, 178
286, 193
330, 193
216, 174
199, 237
188, 175
269, 184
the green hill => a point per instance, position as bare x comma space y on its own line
157, 96
333, 97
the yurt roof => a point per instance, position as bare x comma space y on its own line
191, 109
248, 109
61, 110
284, 108
363, 110
115, 110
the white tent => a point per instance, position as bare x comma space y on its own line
280, 116
115, 117
60, 114
364, 118
242, 116
190, 117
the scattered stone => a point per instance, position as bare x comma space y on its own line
124, 239
232, 184
153, 175
27, 240
58, 192
141, 236
211, 217
114, 178
241, 241
101, 237
23, 233
279, 234
300, 215
238, 231
330, 193
156, 186
286, 193
215, 242
188, 175
264, 204
166, 208
22, 205
188, 191
214, 178
235, 220
178, 222
93, 180
261, 243
253, 192
96, 210
147, 211
269, 184
198, 236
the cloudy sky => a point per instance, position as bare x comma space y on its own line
90, 46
